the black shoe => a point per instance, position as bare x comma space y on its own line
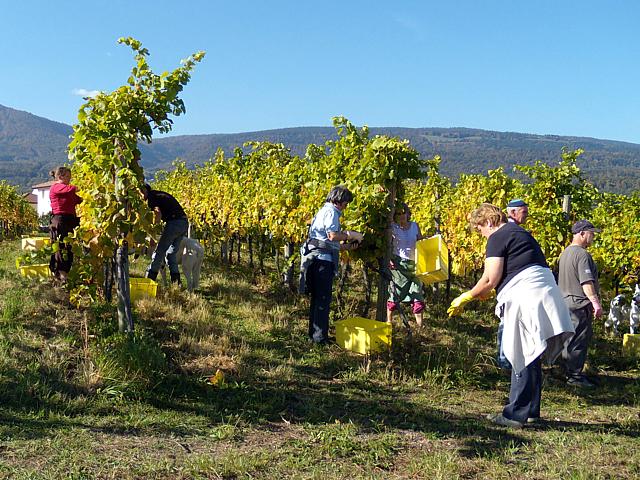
175, 278
582, 382
503, 421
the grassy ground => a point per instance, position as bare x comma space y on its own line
99, 405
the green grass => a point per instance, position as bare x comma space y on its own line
106, 406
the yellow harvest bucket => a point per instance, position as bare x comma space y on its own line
142, 288
40, 270
432, 260
631, 345
31, 244
363, 335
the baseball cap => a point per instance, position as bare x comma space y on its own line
584, 226
516, 202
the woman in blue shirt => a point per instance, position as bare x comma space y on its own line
324, 244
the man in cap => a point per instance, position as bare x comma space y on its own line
578, 281
517, 211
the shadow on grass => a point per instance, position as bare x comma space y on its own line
312, 398
322, 386
610, 390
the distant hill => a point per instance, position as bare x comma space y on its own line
30, 146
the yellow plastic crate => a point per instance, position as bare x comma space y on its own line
31, 244
40, 270
631, 344
363, 335
142, 288
432, 260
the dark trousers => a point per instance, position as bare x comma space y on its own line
168, 245
501, 358
60, 227
525, 393
320, 282
575, 352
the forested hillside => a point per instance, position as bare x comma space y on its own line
31, 145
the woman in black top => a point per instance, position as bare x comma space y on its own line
530, 303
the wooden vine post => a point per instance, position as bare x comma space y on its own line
123, 287
383, 262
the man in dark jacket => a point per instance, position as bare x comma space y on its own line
169, 210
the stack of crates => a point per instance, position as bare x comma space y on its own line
432, 260
40, 270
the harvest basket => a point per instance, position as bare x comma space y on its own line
432, 260
40, 270
363, 335
142, 288
31, 244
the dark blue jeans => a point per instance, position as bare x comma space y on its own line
320, 282
167, 248
525, 394
501, 359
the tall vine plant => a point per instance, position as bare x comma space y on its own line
545, 191
617, 248
425, 198
106, 166
467, 247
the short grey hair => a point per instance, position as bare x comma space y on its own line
339, 194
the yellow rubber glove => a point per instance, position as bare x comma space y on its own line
458, 304
487, 296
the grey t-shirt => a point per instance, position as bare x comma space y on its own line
575, 268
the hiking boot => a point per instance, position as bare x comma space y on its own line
582, 382
503, 421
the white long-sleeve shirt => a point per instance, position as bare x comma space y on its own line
536, 318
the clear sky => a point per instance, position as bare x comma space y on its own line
564, 67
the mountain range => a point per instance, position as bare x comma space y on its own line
30, 146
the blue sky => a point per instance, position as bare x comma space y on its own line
564, 67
